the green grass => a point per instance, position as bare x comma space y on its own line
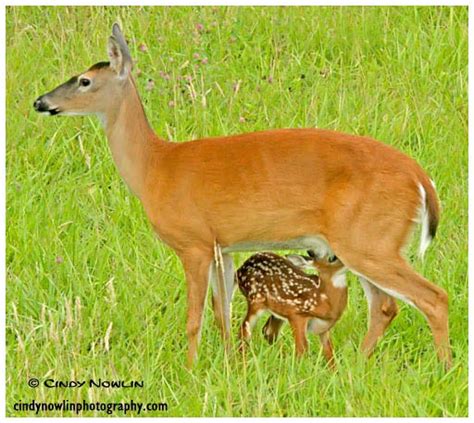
91, 293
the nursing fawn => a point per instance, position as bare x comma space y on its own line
279, 285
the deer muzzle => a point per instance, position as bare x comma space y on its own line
42, 105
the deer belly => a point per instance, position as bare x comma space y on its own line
310, 242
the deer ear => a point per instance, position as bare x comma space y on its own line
115, 55
302, 262
117, 49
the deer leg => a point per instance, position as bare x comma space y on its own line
299, 325
391, 274
221, 302
382, 310
271, 329
328, 350
196, 266
249, 322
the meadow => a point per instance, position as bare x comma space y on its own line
90, 291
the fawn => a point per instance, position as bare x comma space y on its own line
279, 285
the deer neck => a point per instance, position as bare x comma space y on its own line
131, 138
336, 290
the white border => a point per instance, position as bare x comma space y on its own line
470, 207
238, 3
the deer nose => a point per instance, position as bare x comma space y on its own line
37, 103
40, 105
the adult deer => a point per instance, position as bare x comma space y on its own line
313, 189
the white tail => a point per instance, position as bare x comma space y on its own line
279, 285
293, 188
426, 235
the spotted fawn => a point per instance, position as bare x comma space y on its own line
279, 285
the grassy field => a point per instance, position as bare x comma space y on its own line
92, 294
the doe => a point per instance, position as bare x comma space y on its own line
279, 285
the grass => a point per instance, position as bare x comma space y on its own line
92, 294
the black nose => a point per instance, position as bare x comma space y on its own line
39, 105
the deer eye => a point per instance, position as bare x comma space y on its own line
332, 259
84, 82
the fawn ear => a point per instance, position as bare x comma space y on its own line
302, 262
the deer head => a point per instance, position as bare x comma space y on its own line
97, 89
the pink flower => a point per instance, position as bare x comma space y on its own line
165, 75
196, 56
59, 260
171, 103
143, 48
270, 79
241, 119
150, 85
205, 61
199, 27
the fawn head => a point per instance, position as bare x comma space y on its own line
329, 268
95, 90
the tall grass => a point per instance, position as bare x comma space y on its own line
92, 294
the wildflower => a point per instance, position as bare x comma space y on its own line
165, 75
150, 85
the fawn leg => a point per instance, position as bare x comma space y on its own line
328, 350
299, 325
271, 329
249, 322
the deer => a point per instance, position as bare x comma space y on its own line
280, 285
323, 190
